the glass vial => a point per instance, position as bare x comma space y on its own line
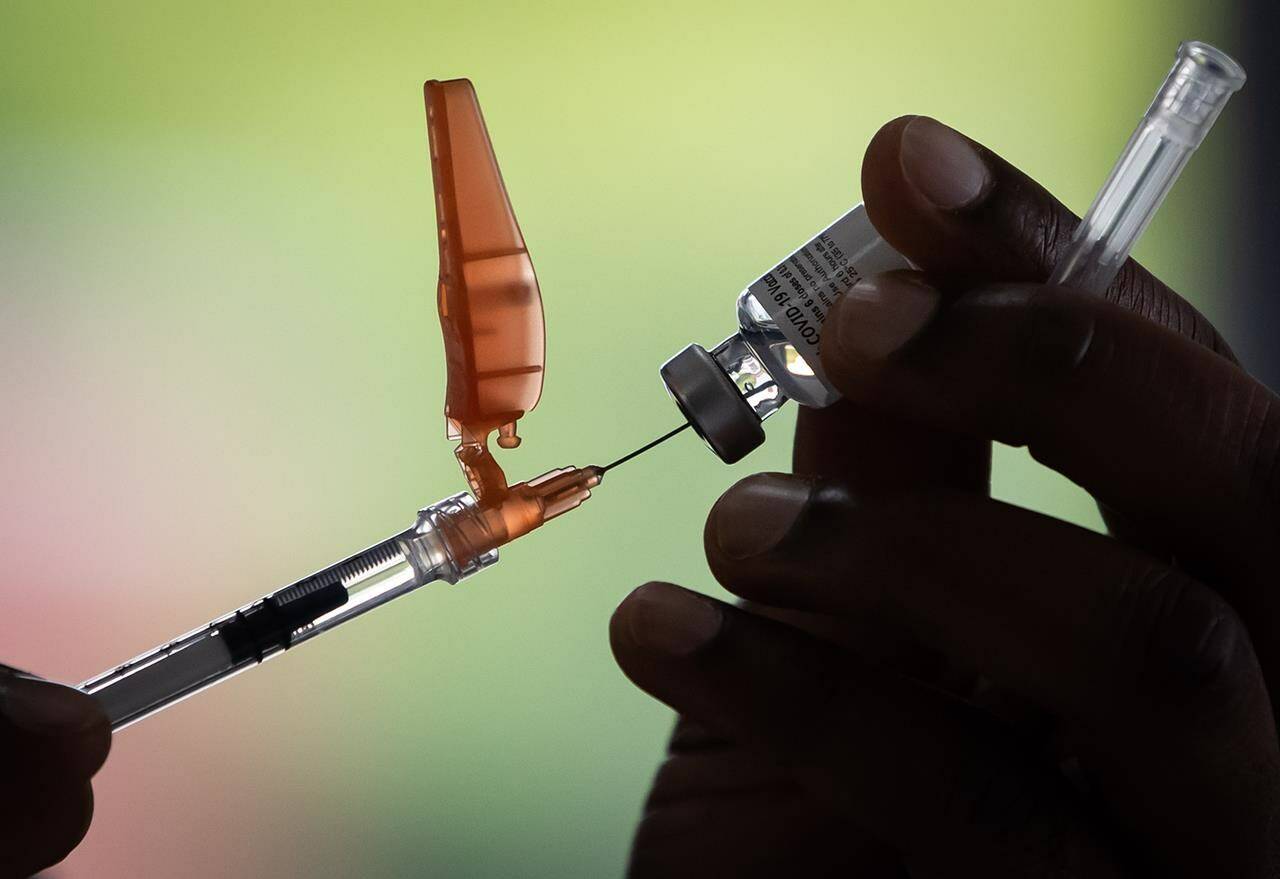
727, 392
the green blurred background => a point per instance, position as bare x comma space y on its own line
220, 367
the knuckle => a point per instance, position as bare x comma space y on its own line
1188, 651
994, 795
1137, 290
1007, 798
1060, 341
836, 691
1049, 235
835, 687
1141, 292
1062, 330
1259, 452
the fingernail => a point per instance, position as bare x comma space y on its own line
671, 620
942, 165
757, 513
879, 315
45, 707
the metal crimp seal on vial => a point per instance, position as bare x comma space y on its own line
711, 403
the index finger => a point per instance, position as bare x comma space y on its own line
1176, 438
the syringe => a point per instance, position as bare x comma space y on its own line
491, 315
451, 540
1203, 78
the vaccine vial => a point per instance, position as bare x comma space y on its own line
726, 393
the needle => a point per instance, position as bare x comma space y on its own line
640, 451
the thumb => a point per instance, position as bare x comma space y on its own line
48, 730
52, 739
965, 215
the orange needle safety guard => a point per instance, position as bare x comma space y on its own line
490, 305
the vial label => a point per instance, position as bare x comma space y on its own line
800, 290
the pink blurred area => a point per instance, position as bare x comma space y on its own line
122, 527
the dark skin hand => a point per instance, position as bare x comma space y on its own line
926, 682
52, 740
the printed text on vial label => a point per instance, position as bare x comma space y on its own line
799, 292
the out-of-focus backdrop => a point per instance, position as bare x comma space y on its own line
220, 366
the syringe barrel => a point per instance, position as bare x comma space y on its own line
442, 545
1202, 80
166, 675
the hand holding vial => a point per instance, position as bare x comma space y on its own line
925, 681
